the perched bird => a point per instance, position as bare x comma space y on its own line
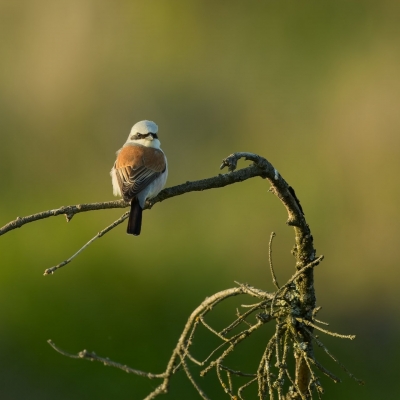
140, 171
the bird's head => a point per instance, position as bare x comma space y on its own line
144, 133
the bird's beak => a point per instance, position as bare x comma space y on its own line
150, 137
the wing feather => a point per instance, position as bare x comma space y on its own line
136, 167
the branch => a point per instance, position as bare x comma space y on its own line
68, 211
84, 354
261, 167
218, 181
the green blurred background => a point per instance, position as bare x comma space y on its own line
312, 86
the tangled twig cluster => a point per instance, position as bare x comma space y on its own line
272, 372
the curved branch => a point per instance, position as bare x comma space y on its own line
261, 167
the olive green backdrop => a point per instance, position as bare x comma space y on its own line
312, 86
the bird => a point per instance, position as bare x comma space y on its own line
140, 171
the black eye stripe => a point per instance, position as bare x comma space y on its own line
143, 135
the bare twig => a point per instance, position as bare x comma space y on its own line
270, 260
263, 372
191, 379
320, 344
229, 376
304, 321
240, 390
283, 366
238, 373
106, 361
234, 341
69, 211
213, 330
227, 388
277, 356
51, 270
325, 371
320, 322
185, 350
239, 338
235, 323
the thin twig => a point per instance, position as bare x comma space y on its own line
240, 390
278, 359
194, 383
324, 370
238, 373
228, 375
252, 291
192, 359
282, 367
274, 280
106, 361
213, 330
68, 211
161, 389
321, 322
243, 320
231, 340
265, 366
313, 377
304, 321
243, 335
320, 344
249, 305
226, 388
51, 270
185, 349
298, 355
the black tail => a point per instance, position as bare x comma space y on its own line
135, 218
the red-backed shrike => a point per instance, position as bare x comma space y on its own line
140, 171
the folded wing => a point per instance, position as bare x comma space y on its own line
136, 167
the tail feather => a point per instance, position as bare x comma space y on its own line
135, 218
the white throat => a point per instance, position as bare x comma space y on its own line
155, 143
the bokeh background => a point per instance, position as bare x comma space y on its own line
312, 86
